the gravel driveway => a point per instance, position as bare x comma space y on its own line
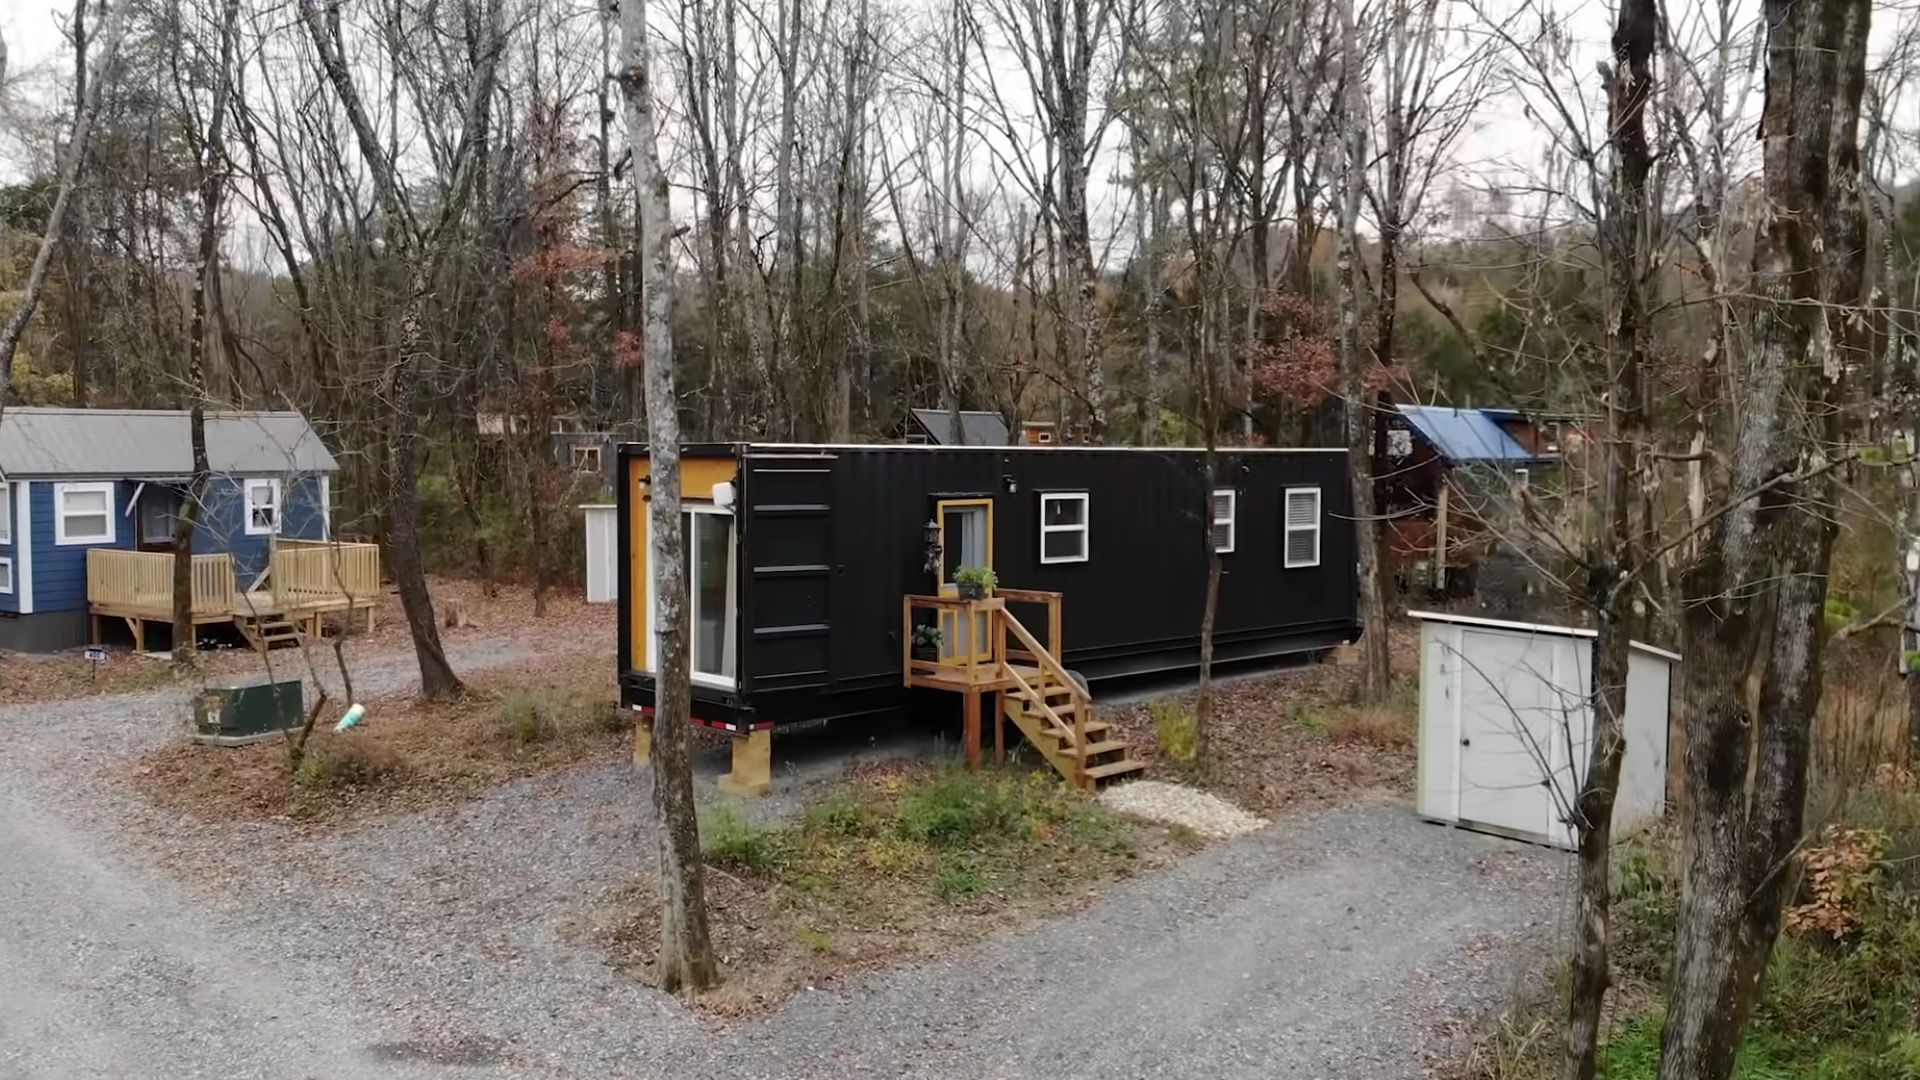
454, 944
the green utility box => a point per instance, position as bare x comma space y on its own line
238, 713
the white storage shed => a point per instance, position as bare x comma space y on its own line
603, 553
1505, 723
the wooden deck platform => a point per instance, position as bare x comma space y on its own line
304, 581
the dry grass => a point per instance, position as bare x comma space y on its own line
896, 864
1294, 739
506, 614
409, 754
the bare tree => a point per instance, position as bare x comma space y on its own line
686, 948
424, 249
210, 156
87, 100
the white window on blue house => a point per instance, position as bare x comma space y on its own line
263, 507
6, 577
83, 514
6, 518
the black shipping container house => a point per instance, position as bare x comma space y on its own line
811, 566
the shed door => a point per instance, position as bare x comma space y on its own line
1514, 731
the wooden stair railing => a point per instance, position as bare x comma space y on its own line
1027, 700
1037, 692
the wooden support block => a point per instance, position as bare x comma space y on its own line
94, 621
1342, 656
139, 634
752, 772
642, 739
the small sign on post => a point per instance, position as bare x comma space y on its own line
96, 655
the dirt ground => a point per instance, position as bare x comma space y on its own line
1290, 741
408, 754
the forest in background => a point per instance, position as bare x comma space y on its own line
1193, 222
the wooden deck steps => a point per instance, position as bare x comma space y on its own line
981, 650
263, 632
1050, 718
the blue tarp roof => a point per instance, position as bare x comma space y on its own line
1467, 434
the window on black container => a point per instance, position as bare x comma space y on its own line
1225, 503
1064, 522
1302, 541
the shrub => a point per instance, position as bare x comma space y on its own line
343, 764
956, 880
1176, 728
842, 815
524, 716
1843, 878
728, 839
956, 808
609, 718
1388, 725
1312, 721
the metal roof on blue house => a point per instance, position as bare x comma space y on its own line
1469, 434
154, 444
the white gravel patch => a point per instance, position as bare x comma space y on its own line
1177, 804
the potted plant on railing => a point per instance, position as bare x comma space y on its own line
975, 582
927, 640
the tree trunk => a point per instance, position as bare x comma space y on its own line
1353, 364
84, 117
686, 949
1747, 760
213, 179
1616, 553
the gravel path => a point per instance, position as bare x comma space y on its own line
453, 944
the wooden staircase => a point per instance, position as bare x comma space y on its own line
1042, 698
1056, 716
264, 630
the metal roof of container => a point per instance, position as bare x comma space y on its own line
1469, 434
155, 444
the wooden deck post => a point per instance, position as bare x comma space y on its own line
999, 727
971, 733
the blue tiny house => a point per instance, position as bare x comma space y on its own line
88, 504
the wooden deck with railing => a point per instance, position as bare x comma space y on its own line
305, 579
985, 649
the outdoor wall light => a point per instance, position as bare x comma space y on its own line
1008, 480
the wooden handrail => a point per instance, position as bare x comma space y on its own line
1081, 699
1046, 710
143, 580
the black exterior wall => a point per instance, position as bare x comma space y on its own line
831, 538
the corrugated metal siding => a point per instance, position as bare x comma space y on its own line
144, 443
1464, 434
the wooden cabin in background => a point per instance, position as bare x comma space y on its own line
1452, 486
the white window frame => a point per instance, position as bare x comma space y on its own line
1521, 478
1287, 529
248, 506
6, 513
6, 588
724, 682
61, 537
582, 452
1231, 521
1084, 528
